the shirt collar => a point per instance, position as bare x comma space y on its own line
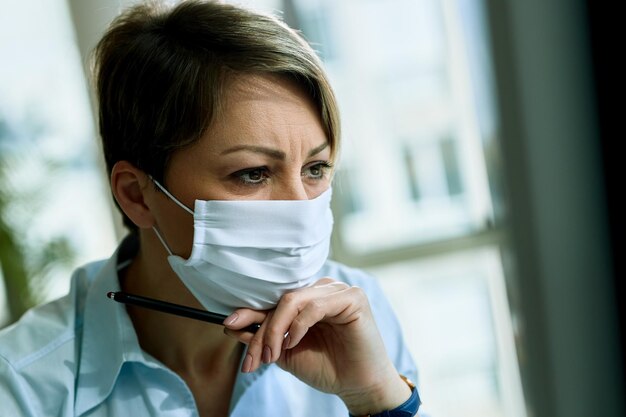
108, 338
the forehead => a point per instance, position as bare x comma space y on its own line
265, 92
257, 86
258, 107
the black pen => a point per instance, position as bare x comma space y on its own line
176, 309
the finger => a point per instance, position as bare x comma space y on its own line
290, 306
240, 335
341, 307
243, 318
325, 280
257, 351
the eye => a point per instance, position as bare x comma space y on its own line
317, 170
252, 176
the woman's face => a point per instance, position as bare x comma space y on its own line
266, 143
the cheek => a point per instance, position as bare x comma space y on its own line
176, 226
317, 189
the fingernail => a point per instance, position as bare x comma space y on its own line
230, 320
267, 354
286, 342
247, 364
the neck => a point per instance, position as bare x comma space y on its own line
190, 347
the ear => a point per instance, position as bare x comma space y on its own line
129, 186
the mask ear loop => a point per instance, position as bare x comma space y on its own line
175, 200
167, 248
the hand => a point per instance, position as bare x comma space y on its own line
327, 337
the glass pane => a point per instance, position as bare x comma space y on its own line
412, 167
455, 317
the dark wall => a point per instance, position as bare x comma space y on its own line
606, 44
559, 163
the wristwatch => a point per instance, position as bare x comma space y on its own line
407, 409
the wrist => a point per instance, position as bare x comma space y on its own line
409, 408
387, 394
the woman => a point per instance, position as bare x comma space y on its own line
219, 130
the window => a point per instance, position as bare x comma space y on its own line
413, 201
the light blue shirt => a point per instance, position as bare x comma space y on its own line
79, 356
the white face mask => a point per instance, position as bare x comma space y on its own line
248, 253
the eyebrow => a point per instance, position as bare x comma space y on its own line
272, 153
